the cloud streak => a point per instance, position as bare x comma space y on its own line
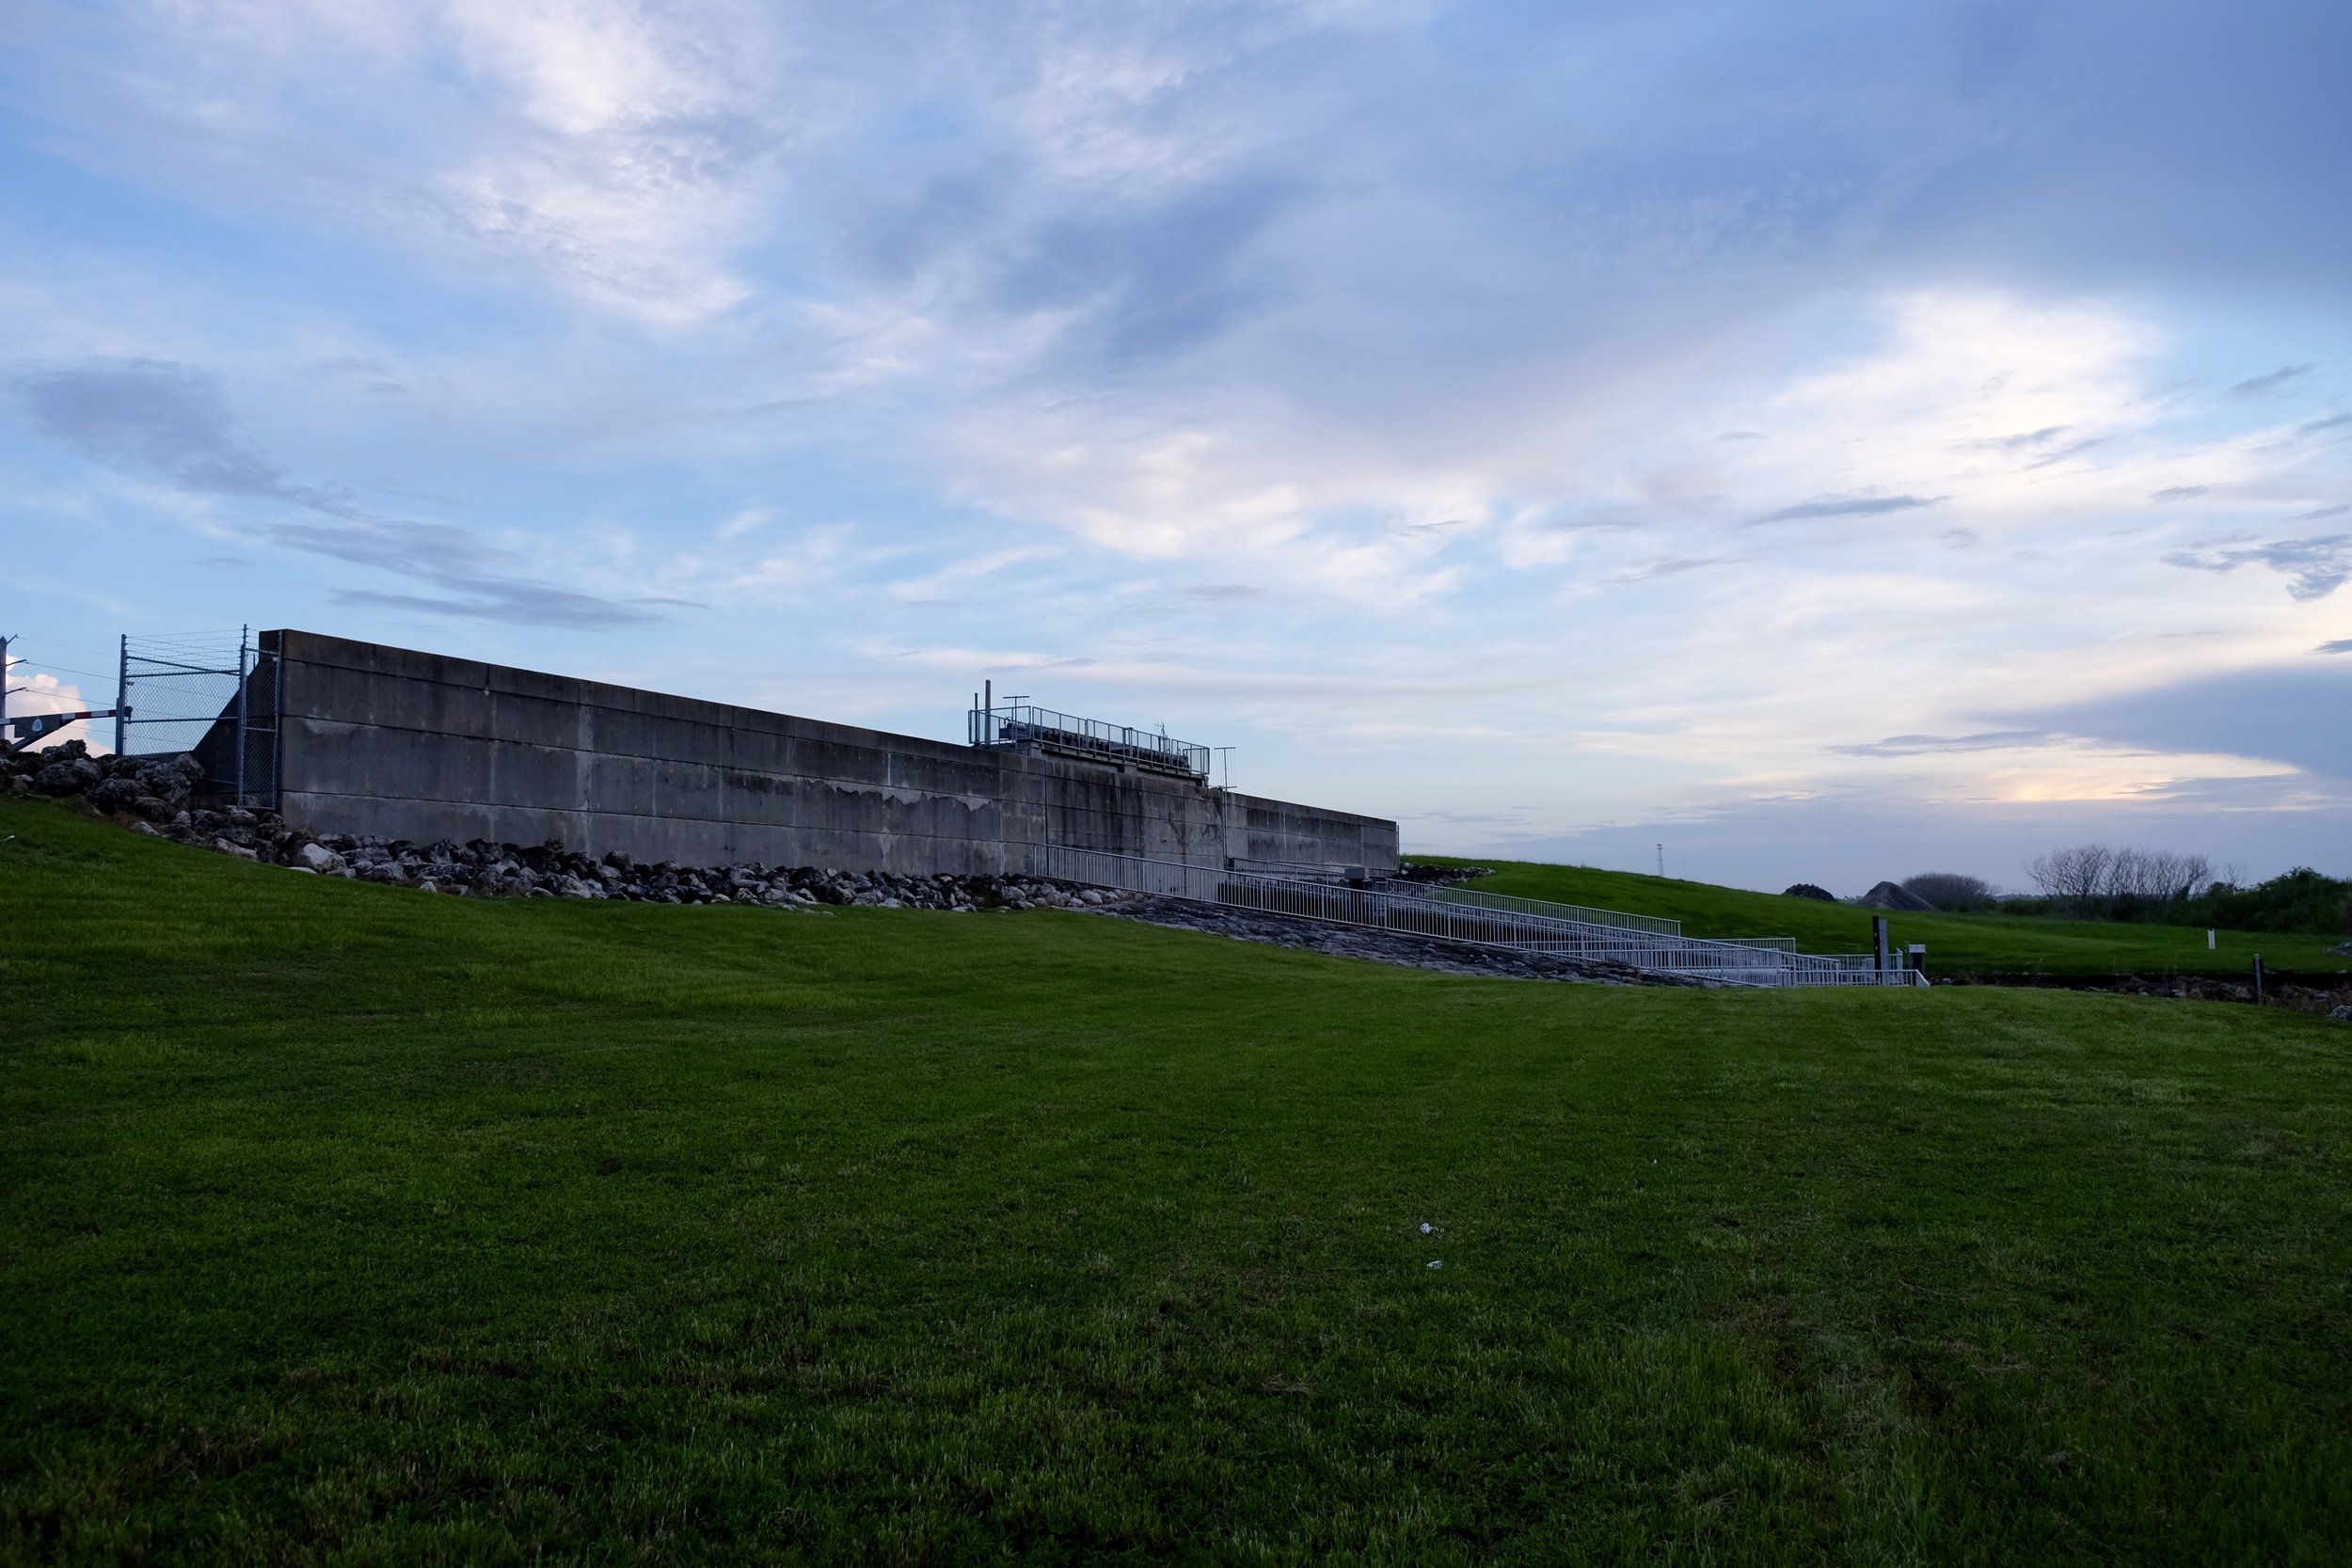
1849, 506
1944, 745
171, 424
2314, 567
2271, 381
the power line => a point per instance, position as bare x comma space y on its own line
44, 665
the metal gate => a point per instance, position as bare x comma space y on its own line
212, 695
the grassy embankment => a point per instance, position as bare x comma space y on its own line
347, 1220
1957, 943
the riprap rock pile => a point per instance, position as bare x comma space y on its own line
481, 868
156, 795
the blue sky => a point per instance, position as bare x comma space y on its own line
1836, 440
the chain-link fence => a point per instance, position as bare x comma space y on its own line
212, 695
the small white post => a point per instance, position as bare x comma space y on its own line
2210, 943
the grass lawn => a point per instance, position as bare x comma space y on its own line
1957, 943
347, 1221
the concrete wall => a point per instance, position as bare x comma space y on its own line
419, 745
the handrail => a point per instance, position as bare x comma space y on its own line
1656, 923
1013, 724
1729, 963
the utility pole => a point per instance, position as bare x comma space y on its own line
1661, 860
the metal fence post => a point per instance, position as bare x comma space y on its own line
122, 691
277, 726
241, 715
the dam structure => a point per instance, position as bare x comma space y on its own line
345, 737
369, 740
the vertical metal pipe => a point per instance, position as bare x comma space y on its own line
122, 691
277, 725
241, 715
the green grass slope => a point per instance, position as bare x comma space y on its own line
349, 1222
1957, 943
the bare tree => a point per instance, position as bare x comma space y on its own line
2090, 875
2161, 875
2192, 876
1950, 891
2076, 878
2127, 869
2043, 871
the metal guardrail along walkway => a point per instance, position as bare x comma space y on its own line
1024, 723
1654, 924
1486, 920
1580, 914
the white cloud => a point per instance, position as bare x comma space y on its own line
1350, 526
1370, 381
31, 692
620, 150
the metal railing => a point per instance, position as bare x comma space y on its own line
1385, 908
1655, 925
1804, 963
1021, 724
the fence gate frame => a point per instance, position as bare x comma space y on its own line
193, 694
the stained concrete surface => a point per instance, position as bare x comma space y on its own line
419, 746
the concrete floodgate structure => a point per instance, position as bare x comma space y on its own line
387, 741
389, 744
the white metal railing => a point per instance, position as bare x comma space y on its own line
1018, 723
1451, 920
1815, 968
1656, 924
